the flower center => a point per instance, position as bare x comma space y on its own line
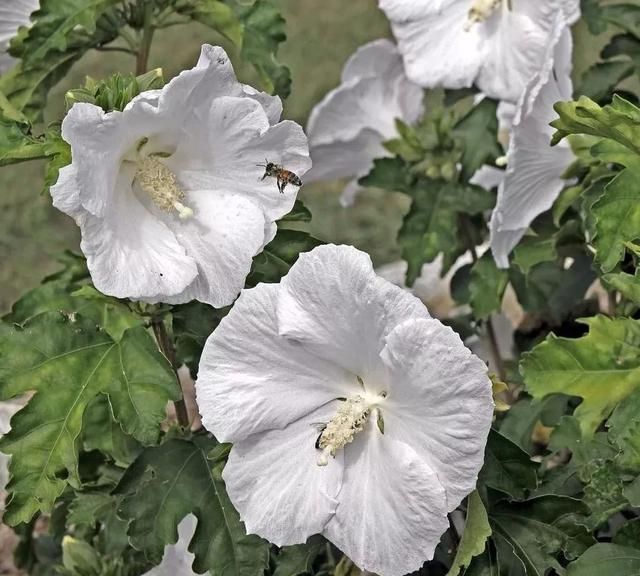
161, 185
480, 11
350, 419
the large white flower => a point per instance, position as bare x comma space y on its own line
347, 128
496, 44
13, 14
168, 193
533, 179
352, 412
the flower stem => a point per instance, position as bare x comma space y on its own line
142, 59
167, 348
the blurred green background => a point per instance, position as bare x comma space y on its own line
321, 36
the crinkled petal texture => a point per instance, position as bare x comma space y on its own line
441, 47
13, 15
283, 363
533, 179
168, 193
347, 128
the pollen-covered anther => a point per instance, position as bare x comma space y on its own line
480, 11
161, 185
350, 419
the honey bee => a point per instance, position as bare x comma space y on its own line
283, 177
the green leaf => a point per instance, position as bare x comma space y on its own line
215, 14
534, 250
507, 468
541, 530
431, 225
632, 492
601, 79
193, 323
617, 217
624, 432
17, 144
487, 286
478, 133
68, 361
606, 559
619, 121
602, 367
627, 284
168, 482
263, 31
474, 537
298, 560
628, 534
279, 255
54, 22
625, 15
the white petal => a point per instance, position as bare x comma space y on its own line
334, 304
276, 485
503, 241
350, 192
431, 36
13, 14
515, 46
7, 410
346, 159
222, 147
488, 177
439, 402
177, 559
252, 380
224, 234
97, 148
65, 192
130, 252
347, 128
392, 508
371, 60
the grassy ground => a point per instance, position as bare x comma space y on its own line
321, 36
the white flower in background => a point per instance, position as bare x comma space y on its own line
7, 410
13, 14
533, 179
352, 413
168, 193
177, 559
496, 44
347, 128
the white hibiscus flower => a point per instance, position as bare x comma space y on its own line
177, 559
168, 193
533, 179
352, 412
496, 44
347, 128
7, 410
13, 14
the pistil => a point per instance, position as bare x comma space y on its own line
161, 185
480, 11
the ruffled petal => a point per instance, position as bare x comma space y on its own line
487, 177
251, 379
431, 35
224, 234
276, 485
333, 303
345, 159
439, 402
533, 179
130, 252
222, 149
212, 77
392, 509
371, 60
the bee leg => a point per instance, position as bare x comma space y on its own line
281, 185
261, 179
